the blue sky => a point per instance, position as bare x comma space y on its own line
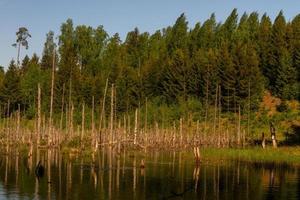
121, 16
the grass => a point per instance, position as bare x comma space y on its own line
255, 154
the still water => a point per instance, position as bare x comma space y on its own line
173, 175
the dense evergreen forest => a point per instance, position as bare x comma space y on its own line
175, 70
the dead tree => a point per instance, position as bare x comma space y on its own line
273, 135
263, 140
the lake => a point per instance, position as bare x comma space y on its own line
166, 175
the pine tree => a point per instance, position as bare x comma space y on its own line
68, 73
10, 91
281, 73
22, 36
264, 39
177, 38
296, 51
176, 77
49, 52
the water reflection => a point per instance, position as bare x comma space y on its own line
111, 175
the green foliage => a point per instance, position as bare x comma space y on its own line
49, 52
22, 36
282, 107
2, 74
177, 69
10, 91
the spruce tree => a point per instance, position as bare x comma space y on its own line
10, 91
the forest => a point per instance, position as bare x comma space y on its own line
210, 71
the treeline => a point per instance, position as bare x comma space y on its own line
227, 64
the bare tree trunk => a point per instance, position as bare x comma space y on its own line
18, 123
71, 120
62, 109
249, 107
111, 113
115, 107
219, 118
273, 135
7, 126
263, 140
52, 93
18, 56
69, 104
181, 130
82, 125
146, 115
206, 105
216, 104
174, 134
197, 130
1, 128
135, 125
103, 109
93, 122
239, 128
125, 127
39, 115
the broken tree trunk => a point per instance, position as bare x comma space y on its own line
103, 110
51, 98
263, 140
273, 135
39, 115
111, 114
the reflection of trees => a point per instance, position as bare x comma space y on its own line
116, 176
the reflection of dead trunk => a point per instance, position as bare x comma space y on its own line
69, 179
81, 170
36, 192
59, 174
204, 183
49, 173
134, 174
263, 140
93, 172
100, 172
17, 167
118, 174
218, 182
238, 173
110, 173
6, 170
196, 176
272, 178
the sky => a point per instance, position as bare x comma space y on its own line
117, 16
